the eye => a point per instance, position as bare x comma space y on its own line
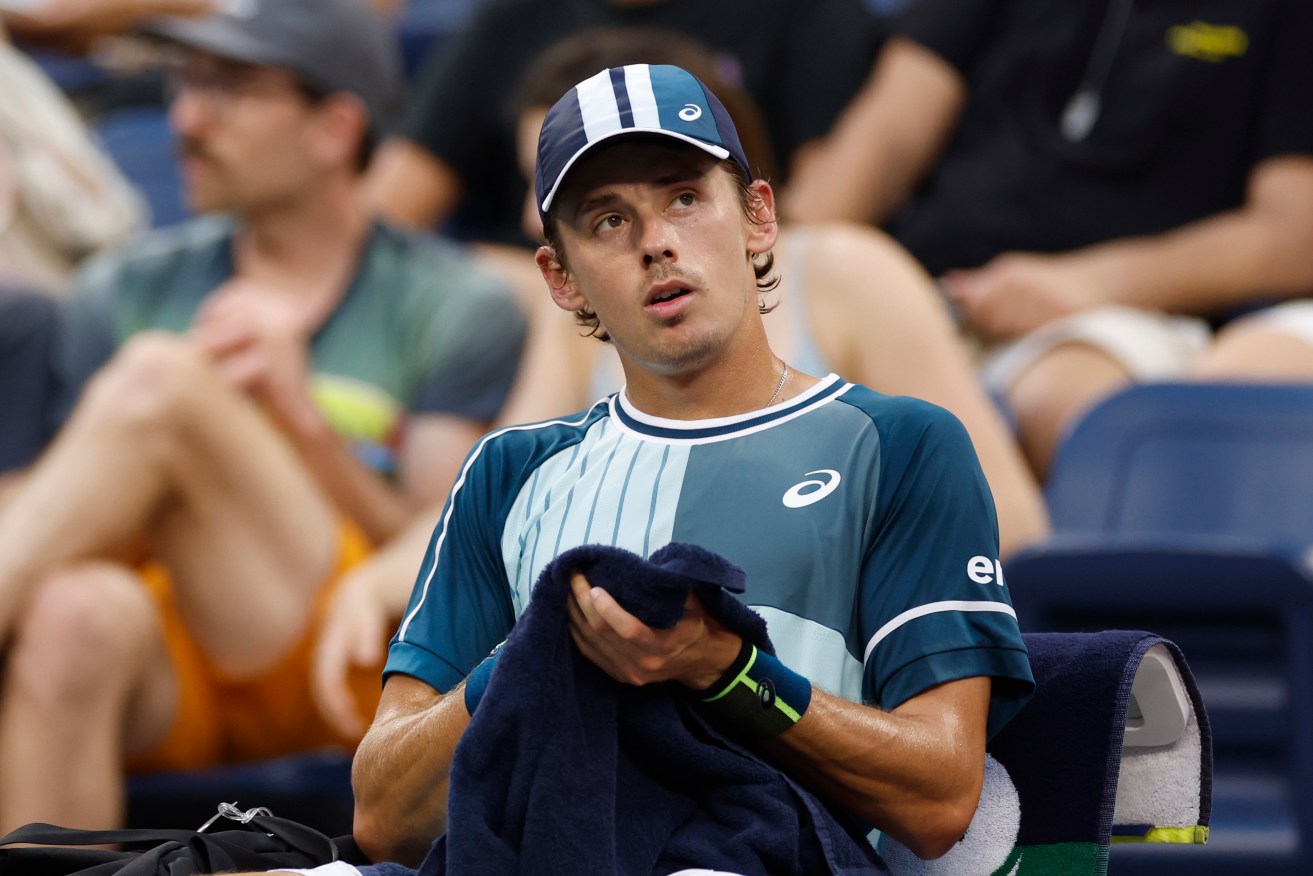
608, 222
685, 199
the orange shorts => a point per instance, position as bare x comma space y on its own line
221, 721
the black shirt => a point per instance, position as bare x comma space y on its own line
1193, 94
801, 60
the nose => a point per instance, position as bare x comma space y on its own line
188, 109
657, 242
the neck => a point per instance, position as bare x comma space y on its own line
732, 384
307, 244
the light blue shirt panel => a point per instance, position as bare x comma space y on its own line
814, 650
612, 488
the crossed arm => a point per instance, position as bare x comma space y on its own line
915, 772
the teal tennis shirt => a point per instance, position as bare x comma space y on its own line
863, 521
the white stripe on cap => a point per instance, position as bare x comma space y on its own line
598, 107
642, 100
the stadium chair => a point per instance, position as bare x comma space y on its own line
1188, 510
140, 142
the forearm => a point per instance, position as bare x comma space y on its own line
1257, 251
1221, 262
883, 144
78, 21
375, 505
915, 773
400, 775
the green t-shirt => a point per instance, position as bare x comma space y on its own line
419, 330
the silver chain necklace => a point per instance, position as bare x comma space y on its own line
784, 375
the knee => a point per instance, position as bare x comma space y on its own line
80, 636
149, 382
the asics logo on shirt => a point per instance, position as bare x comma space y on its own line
810, 492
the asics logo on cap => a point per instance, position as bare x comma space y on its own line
635, 99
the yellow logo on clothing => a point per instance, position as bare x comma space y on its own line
1207, 42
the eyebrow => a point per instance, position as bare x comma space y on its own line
607, 198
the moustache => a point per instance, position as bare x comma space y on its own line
188, 147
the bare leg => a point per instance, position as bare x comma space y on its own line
1054, 391
1256, 352
161, 446
881, 321
87, 678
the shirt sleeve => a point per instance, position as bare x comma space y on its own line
477, 339
460, 607
454, 110
935, 604
956, 30
824, 57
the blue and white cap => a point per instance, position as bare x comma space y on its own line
637, 99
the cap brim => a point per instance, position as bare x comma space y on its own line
711, 148
218, 36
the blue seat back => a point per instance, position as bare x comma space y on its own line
1199, 459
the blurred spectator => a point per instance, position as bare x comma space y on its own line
1049, 159
850, 299
74, 24
277, 391
61, 197
800, 61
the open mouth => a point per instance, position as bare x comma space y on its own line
668, 295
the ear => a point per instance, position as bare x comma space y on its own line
560, 282
343, 121
764, 228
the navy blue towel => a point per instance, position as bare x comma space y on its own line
564, 770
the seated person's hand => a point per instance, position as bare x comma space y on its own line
353, 637
1016, 293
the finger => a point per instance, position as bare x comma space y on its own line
369, 649
243, 369
583, 600
603, 606
331, 692
595, 654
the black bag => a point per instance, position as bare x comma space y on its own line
261, 842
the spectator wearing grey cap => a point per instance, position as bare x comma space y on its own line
268, 404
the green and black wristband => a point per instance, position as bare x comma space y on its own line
758, 694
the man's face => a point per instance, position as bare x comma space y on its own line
657, 244
244, 133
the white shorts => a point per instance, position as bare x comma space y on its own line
1294, 318
1149, 345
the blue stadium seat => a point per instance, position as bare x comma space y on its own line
1191, 459
140, 142
1187, 509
